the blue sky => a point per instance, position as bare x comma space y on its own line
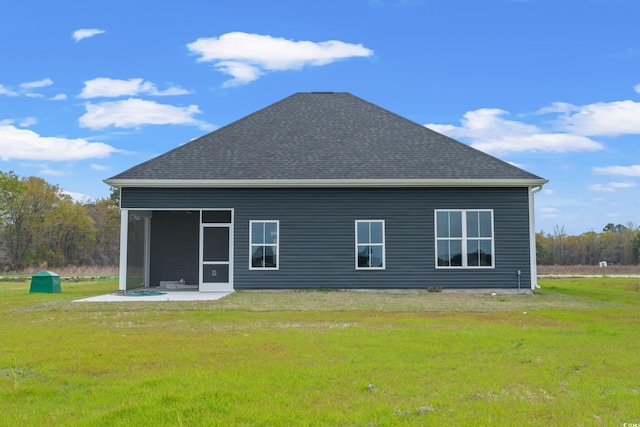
89, 89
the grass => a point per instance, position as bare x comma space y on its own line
566, 355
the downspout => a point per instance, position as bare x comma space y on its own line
532, 238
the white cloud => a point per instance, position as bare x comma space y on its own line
549, 142
603, 118
600, 187
97, 167
612, 186
637, 88
86, 33
27, 87
242, 73
247, 56
450, 130
488, 131
28, 121
36, 84
59, 97
548, 192
558, 107
45, 170
548, 212
8, 92
77, 197
622, 184
111, 88
133, 112
633, 170
25, 144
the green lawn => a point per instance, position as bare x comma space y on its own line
567, 355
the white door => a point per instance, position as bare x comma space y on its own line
216, 269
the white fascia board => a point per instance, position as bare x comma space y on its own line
310, 183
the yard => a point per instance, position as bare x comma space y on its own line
567, 355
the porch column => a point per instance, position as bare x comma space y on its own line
124, 239
147, 251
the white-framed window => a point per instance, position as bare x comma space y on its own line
370, 253
264, 239
464, 238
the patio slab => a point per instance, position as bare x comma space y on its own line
167, 296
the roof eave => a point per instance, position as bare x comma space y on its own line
317, 183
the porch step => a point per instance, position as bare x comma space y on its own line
172, 284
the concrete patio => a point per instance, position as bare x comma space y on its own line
165, 296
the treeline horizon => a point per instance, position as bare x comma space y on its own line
616, 244
40, 225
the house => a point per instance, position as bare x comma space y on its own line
327, 190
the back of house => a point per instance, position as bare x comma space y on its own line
326, 190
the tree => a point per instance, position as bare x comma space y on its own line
70, 234
542, 248
27, 216
106, 218
41, 225
617, 244
12, 190
114, 196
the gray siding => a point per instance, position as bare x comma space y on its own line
317, 233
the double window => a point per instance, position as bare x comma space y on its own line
464, 238
264, 238
370, 244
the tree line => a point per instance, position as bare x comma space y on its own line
42, 226
615, 244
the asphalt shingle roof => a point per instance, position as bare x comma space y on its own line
324, 135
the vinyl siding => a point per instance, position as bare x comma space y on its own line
317, 233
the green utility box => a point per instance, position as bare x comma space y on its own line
46, 282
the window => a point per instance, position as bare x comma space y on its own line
370, 244
263, 236
464, 238
217, 217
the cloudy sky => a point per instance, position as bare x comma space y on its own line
89, 89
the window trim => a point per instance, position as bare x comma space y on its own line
383, 245
464, 239
277, 244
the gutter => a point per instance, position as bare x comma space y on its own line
321, 183
532, 238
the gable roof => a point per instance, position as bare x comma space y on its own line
323, 139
